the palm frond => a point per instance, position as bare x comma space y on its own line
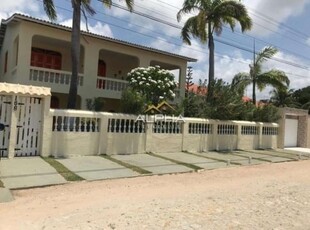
130, 4
231, 12
241, 81
194, 28
265, 54
189, 6
87, 7
274, 78
107, 3
49, 9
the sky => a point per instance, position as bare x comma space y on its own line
280, 23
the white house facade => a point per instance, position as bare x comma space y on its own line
37, 52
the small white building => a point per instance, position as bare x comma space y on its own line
37, 52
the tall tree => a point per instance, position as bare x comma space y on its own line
78, 6
283, 98
302, 96
189, 80
258, 78
211, 17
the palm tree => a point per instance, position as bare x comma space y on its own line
211, 17
283, 98
78, 7
258, 78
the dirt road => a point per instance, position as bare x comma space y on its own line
269, 196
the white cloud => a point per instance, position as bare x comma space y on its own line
9, 7
226, 68
279, 10
163, 10
98, 28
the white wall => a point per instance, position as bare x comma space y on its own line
113, 133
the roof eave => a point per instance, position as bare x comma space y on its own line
20, 17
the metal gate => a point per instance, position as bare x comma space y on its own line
5, 119
29, 114
291, 132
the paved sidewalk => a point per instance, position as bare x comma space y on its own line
28, 172
227, 157
274, 156
153, 164
297, 150
5, 195
35, 172
195, 160
96, 168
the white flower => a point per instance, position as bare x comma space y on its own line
173, 95
161, 97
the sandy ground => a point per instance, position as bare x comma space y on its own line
269, 196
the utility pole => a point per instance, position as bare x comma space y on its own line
254, 73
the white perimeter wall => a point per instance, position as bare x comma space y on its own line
93, 133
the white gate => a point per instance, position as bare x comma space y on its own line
5, 119
29, 112
291, 132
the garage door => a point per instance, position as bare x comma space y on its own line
291, 129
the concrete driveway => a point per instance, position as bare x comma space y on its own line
25, 172
28, 172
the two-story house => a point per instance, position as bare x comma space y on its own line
37, 52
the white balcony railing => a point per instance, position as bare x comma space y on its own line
52, 76
111, 84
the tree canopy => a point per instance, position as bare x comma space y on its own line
258, 78
211, 16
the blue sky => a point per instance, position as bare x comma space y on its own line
281, 23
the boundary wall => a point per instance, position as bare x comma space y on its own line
73, 132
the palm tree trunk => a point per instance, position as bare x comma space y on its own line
211, 64
75, 53
254, 92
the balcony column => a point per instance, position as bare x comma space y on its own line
90, 63
23, 56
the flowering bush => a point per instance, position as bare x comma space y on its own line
154, 83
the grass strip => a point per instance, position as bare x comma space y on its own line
62, 170
130, 166
196, 168
213, 158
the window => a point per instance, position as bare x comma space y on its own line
45, 59
15, 51
6, 62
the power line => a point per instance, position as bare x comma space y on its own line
226, 43
216, 39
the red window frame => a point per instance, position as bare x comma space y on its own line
45, 58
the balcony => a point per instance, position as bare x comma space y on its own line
52, 76
111, 84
